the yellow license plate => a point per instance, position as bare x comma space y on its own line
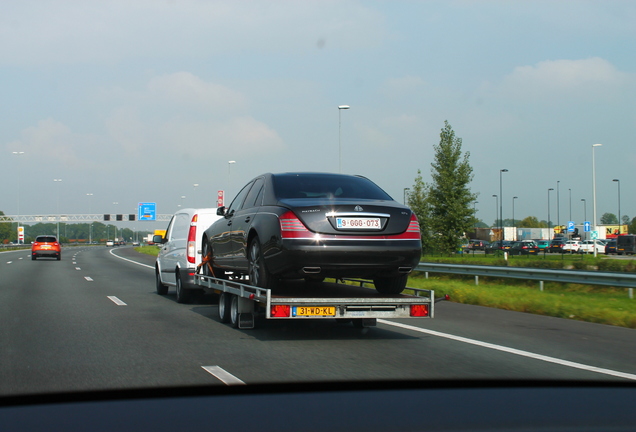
314, 311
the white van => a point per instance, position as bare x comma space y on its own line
180, 251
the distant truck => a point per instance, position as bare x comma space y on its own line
626, 244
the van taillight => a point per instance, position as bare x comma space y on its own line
192, 240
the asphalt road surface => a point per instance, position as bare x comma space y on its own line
94, 321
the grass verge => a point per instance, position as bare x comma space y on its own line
579, 302
148, 250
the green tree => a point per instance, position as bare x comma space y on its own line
6, 230
609, 219
531, 222
449, 196
632, 226
418, 202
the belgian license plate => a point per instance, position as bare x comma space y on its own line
314, 311
358, 223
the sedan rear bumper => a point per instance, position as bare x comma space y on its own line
365, 258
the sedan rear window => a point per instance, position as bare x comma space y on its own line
46, 239
326, 186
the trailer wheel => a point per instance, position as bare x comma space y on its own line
234, 312
225, 303
161, 288
390, 285
259, 275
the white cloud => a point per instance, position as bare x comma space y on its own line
76, 31
207, 140
50, 140
578, 79
189, 90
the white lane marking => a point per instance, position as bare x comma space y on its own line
222, 375
126, 259
9, 262
77, 268
117, 301
88, 278
514, 351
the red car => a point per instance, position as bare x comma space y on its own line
46, 246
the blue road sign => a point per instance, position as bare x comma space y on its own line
570, 226
587, 226
147, 211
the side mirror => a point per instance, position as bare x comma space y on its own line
220, 211
157, 239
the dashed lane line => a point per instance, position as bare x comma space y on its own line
222, 375
117, 301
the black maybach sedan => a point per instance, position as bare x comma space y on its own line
313, 226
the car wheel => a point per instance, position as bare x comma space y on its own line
205, 270
259, 275
33, 257
183, 295
225, 303
234, 313
59, 257
161, 288
390, 285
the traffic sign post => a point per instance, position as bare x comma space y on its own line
570, 226
594, 235
587, 226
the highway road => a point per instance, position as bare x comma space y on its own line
93, 321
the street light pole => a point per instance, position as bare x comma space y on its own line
496, 210
17, 153
58, 209
594, 189
340, 108
619, 204
584, 209
90, 226
475, 215
551, 234
558, 206
501, 201
405, 194
570, 192
513, 217
229, 165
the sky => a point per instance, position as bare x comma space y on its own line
141, 101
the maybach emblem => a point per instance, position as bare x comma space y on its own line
358, 208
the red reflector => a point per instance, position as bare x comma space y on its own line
280, 311
419, 310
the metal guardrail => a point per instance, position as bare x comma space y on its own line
623, 280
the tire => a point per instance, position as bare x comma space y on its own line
183, 295
161, 288
225, 303
390, 285
259, 275
205, 270
234, 313
59, 257
33, 257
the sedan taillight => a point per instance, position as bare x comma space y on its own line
292, 227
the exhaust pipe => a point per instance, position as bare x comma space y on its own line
311, 270
405, 270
